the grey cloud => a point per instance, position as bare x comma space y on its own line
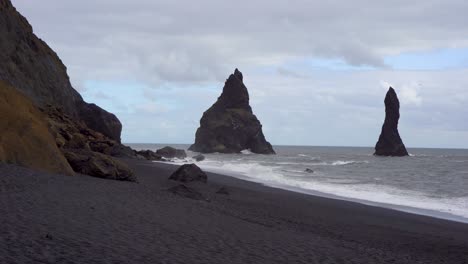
177, 41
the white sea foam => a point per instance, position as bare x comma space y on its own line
246, 152
369, 193
338, 163
346, 162
347, 189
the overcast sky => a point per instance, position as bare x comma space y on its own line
317, 71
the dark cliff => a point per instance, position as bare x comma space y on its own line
31, 66
229, 126
45, 124
390, 143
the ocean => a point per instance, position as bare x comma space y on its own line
430, 181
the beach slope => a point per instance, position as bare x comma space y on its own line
49, 218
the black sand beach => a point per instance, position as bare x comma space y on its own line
48, 218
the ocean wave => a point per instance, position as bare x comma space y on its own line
345, 162
246, 152
345, 188
288, 176
340, 163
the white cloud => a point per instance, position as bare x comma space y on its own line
409, 94
172, 41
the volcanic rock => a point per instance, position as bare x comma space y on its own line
32, 67
98, 165
189, 173
73, 134
390, 143
87, 135
170, 152
198, 157
149, 155
24, 136
229, 125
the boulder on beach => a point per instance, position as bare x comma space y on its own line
24, 136
170, 153
98, 165
199, 157
189, 173
149, 155
229, 125
309, 170
390, 143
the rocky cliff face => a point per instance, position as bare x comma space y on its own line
390, 143
68, 134
229, 126
30, 65
24, 135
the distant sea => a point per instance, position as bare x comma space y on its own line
430, 181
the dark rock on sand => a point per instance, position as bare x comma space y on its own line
187, 192
189, 173
149, 155
70, 134
390, 143
223, 190
98, 165
309, 170
170, 153
199, 157
24, 135
229, 125
32, 67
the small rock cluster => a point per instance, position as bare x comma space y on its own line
191, 173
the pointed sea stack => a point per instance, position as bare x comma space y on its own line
390, 143
229, 126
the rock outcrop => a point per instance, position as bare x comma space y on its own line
229, 125
31, 66
199, 157
98, 165
390, 143
83, 134
149, 155
88, 152
189, 173
170, 153
24, 135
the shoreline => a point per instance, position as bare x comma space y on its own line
400, 208
52, 218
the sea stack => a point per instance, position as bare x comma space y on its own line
390, 143
229, 125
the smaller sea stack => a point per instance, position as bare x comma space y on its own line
390, 143
229, 126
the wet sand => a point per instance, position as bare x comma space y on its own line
48, 218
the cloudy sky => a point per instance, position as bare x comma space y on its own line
317, 71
